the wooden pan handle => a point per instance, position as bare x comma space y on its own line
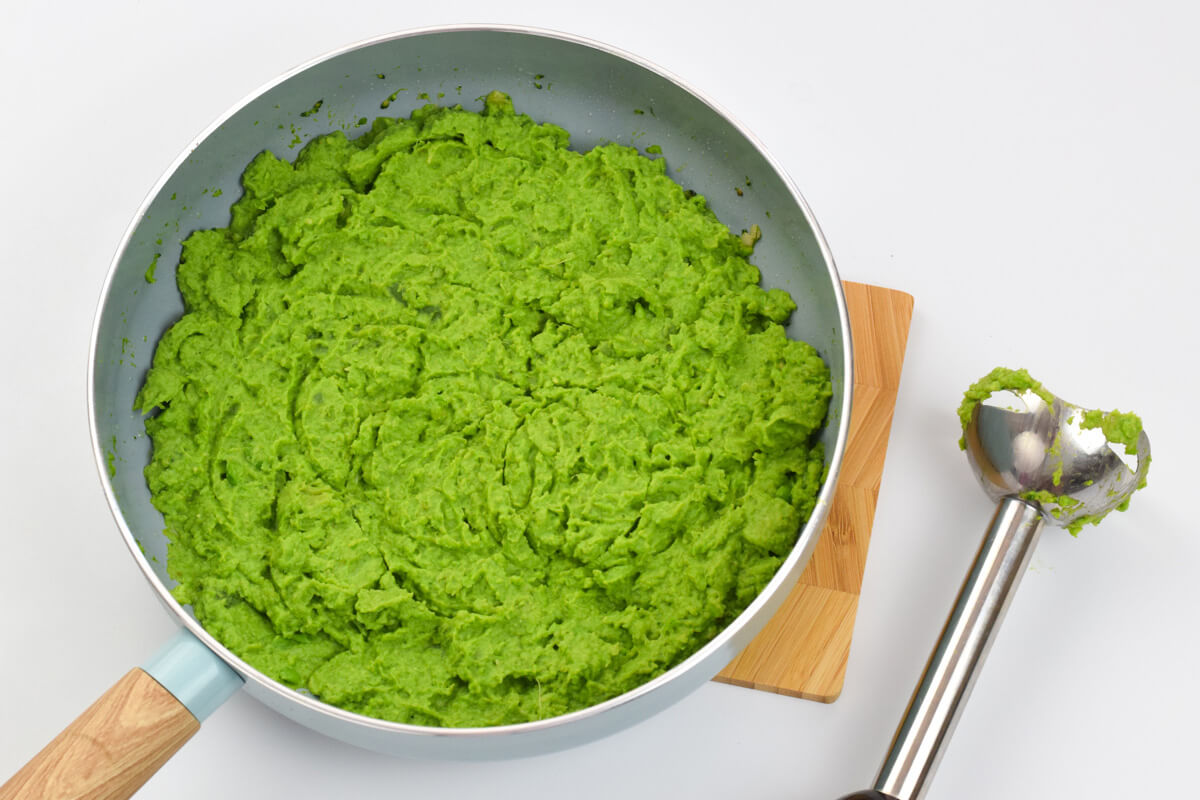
111, 749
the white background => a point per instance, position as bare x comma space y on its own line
1029, 171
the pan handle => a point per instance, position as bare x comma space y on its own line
113, 747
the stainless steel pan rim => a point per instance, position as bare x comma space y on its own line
767, 600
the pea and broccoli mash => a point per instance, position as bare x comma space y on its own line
465, 428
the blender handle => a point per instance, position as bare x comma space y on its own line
949, 676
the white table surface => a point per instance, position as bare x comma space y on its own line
1029, 171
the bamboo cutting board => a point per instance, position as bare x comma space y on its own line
803, 649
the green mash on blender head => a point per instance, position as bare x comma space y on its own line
1118, 428
465, 428
1000, 379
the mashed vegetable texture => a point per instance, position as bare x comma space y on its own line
464, 428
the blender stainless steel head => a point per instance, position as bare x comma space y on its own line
1042, 459
1047, 453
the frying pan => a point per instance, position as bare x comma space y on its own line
597, 93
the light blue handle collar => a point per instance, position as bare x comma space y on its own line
194, 674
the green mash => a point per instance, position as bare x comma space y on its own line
464, 428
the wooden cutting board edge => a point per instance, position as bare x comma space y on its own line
803, 649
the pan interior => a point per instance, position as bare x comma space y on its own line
596, 95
